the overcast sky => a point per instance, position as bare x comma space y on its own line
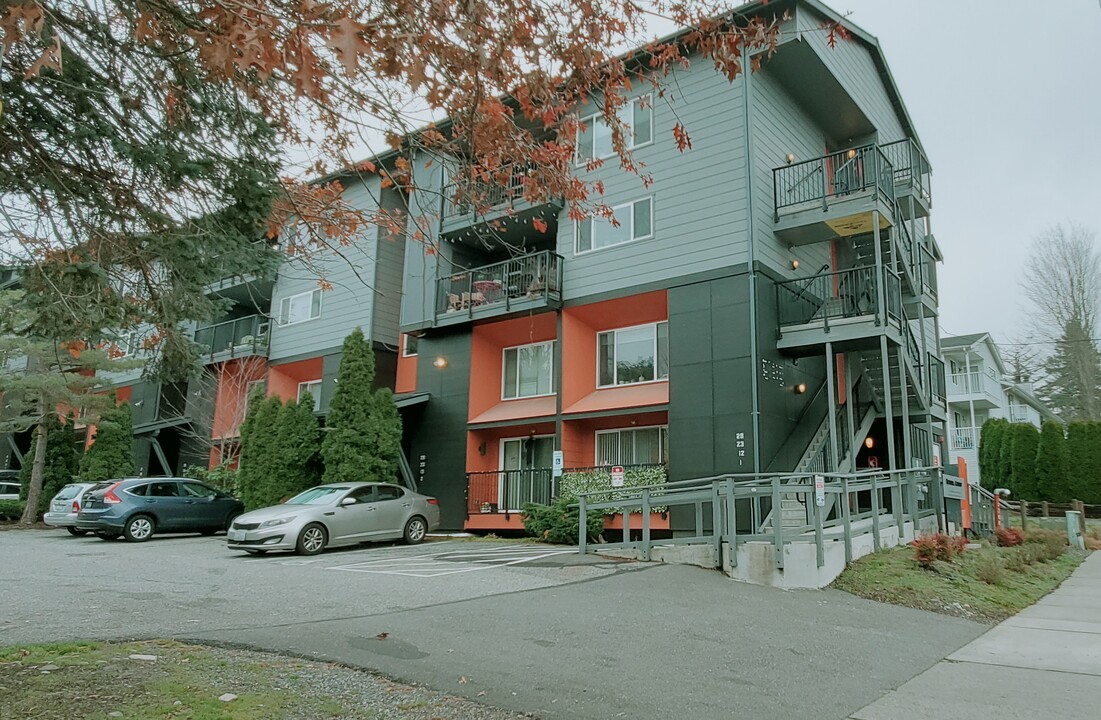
1006, 98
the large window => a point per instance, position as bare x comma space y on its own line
636, 222
634, 446
408, 345
633, 355
528, 371
300, 308
594, 139
313, 387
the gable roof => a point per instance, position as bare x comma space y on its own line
962, 340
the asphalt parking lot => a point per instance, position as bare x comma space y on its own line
531, 628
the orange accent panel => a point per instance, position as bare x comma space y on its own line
658, 521
842, 385
123, 394
494, 521
486, 359
624, 396
407, 370
283, 379
965, 505
580, 326
231, 399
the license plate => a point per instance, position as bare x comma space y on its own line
237, 535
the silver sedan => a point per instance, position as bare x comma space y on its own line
334, 515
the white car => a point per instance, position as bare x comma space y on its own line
65, 506
9, 489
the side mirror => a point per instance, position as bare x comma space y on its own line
348, 501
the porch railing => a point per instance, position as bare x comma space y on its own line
834, 176
508, 491
482, 195
910, 165
237, 338
537, 276
842, 294
936, 379
966, 438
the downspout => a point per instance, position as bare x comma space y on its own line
754, 360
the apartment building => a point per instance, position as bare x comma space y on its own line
981, 388
767, 304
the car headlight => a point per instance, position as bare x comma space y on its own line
276, 521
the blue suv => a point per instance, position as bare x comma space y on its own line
139, 507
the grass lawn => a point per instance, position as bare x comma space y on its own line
101, 681
957, 587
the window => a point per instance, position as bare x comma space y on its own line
163, 489
313, 387
409, 345
365, 494
528, 371
636, 222
633, 355
197, 490
635, 446
129, 344
300, 308
594, 139
389, 492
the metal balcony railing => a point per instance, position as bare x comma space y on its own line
842, 294
501, 285
910, 165
965, 438
508, 491
834, 176
235, 338
483, 195
936, 379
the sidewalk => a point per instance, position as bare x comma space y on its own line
1043, 662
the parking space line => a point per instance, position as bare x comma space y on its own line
451, 563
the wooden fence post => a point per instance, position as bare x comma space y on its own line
1081, 517
1047, 511
1023, 506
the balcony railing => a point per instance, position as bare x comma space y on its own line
500, 286
234, 338
834, 176
508, 491
910, 165
842, 294
482, 195
936, 379
965, 438
1019, 414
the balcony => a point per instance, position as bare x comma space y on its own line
482, 202
522, 284
832, 196
1023, 414
937, 385
243, 337
964, 438
843, 307
977, 387
911, 174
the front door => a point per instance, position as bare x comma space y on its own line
526, 472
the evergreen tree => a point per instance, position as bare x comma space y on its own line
991, 438
362, 424
1089, 491
1024, 439
62, 462
111, 455
1074, 375
258, 484
1052, 480
299, 447
1079, 455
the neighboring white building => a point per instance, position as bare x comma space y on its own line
979, 387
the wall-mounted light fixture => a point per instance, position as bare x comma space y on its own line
869, 442
440, 362
794, 264
791, 158
482, 449
851, 154
800, 388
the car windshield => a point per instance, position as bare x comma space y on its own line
316, 496
68, 492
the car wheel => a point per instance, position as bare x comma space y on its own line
76, 531
311, 540
230, 518
415, 530
139, 528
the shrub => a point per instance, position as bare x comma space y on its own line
933, 547
11, 509
990, 569
111, 455
1008, 537
559, 523
222, 477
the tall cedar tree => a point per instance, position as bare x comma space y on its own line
299, 446
1024, 439
362, 424
62, 462
1090, 489
1073, 388
111, 455
991, 439
257, 483
1052, 479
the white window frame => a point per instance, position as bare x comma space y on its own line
315, 395
130, 344
630, 218
289, 299
591, 121
504, 359
598, 433
405, 345
615, 380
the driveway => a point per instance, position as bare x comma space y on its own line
521, 626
